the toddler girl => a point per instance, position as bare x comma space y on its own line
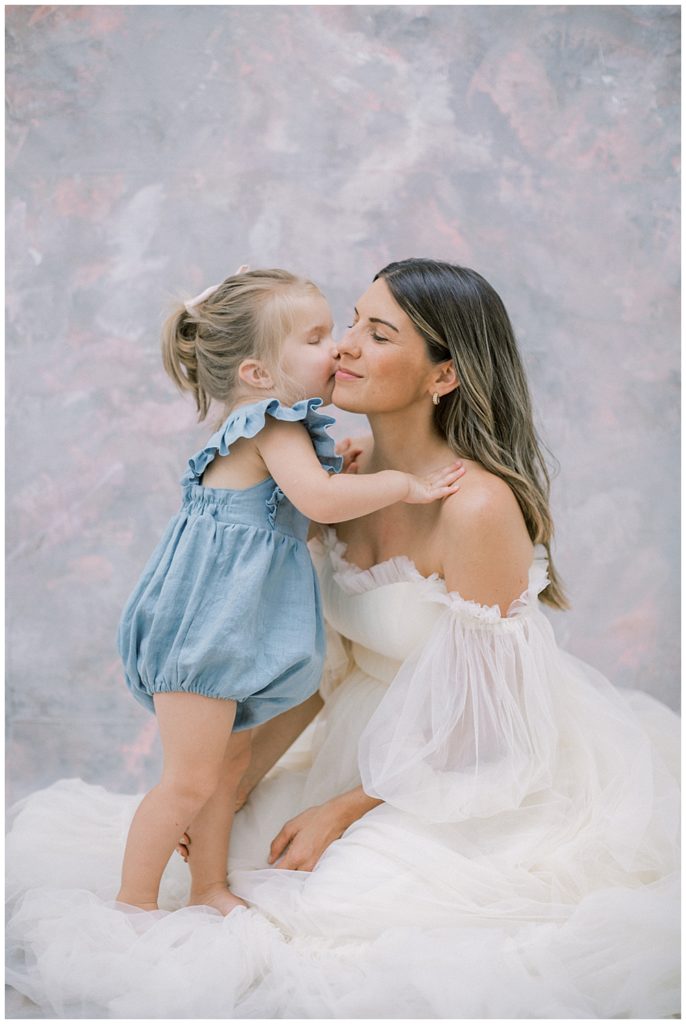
224, 629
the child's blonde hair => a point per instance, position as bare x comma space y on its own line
247, 317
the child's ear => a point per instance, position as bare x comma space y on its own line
253, 373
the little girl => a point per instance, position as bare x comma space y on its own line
224, 630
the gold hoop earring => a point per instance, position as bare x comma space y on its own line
436, 398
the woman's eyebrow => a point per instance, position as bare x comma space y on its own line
378, 320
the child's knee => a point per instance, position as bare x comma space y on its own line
193, 788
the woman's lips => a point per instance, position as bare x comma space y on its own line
342, 374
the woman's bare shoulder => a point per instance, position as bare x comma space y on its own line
485, 543
481, 494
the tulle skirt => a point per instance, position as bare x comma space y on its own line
532, 912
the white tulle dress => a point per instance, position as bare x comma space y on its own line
524, 863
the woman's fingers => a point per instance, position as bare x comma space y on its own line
350, 455
353, 455
289, 862
182, 847
280, 842
296, 859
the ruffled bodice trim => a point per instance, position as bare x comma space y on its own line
401, 569
249, 420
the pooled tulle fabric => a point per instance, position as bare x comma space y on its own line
524, 862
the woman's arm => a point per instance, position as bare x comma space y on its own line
305, 837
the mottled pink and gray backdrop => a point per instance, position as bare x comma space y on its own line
151, 150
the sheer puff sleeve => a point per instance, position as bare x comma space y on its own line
466, 728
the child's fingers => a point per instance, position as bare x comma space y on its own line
441, 490
445, 479
456, 468
446, 472
450, 489
449, 478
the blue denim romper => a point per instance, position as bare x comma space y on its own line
228, 604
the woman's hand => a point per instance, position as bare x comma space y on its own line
438, 484
305, 837
351, 453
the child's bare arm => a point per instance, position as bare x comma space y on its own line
289, 456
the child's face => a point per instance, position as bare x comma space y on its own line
309, 352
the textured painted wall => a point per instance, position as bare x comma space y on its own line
151, 150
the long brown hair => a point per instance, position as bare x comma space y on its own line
488, 418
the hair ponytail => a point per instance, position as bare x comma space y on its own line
180, 357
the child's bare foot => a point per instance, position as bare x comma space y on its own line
218, 896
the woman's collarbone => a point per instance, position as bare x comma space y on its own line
384, 535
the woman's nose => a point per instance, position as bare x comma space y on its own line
348, 345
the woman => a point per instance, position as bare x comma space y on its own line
479, 825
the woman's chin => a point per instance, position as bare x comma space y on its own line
342, 398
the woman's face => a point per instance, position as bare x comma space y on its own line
384, 365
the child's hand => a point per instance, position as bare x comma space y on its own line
350, 453
438, 484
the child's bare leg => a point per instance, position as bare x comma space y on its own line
211, 830
194, 731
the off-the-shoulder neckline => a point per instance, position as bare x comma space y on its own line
402, 569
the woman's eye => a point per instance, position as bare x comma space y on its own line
378, 337
314, 341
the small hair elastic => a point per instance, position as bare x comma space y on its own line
193, 303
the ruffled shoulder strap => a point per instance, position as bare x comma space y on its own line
249, 420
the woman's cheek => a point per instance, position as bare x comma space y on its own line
395, 379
